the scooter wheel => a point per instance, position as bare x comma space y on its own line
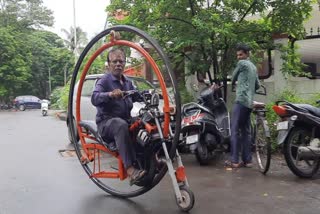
187, 199
202, 154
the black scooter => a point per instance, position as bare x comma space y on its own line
205, 129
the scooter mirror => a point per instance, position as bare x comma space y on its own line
262, 90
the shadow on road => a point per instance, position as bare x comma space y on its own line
110, 204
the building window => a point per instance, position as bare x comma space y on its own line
311, 68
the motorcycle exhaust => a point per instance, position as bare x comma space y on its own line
308, 152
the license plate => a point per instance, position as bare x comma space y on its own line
192, 139
283, 125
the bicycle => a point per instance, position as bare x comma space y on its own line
260, 134
261, 137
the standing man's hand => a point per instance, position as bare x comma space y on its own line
116, 93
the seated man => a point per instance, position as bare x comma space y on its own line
113, 112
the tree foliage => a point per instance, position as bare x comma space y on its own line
27, 53
24, 14
206, 32
48, 53
15, 67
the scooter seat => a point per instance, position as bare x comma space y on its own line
189, 107
313, 110
91, 126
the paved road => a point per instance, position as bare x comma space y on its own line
36, 179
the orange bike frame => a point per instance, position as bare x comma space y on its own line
87, 146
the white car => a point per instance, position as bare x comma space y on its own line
88, 111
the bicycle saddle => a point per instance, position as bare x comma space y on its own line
91, 126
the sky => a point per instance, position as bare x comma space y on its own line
90, 15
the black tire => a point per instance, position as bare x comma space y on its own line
187, 202
124, 28
262, 146
22, 107
202, 154
69, 133
44, 113
150, 167
299, 136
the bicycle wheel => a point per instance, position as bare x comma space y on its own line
168, 88
262, 146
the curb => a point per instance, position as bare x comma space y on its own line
62, 115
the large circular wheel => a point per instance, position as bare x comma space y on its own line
115, 186
262, 147
187, 199
304, 168
70, 131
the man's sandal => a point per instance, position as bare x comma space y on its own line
136, 176
248, 165
229, 164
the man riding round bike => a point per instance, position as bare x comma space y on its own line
113, 111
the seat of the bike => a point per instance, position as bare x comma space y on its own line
258, 105
91, 126
313, 110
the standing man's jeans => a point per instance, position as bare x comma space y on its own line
240, 133
117, 130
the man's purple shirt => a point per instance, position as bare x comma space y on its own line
108, 107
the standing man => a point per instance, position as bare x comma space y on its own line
245, 79
113, 111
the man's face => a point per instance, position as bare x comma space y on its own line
117, 63
241, 55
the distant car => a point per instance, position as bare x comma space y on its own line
27, 102
88, 111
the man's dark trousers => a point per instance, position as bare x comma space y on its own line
240, 133
117, 130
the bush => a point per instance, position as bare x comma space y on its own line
59, 97
54, 97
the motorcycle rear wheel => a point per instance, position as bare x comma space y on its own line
299, 136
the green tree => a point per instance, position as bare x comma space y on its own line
26, 52
25, 14
48, 53
15, 66
208, 31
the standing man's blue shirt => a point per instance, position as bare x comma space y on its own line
108, 107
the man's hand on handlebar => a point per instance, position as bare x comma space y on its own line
116, 93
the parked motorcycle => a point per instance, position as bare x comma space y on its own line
299, 132
5, 106
44, 107
205, 128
